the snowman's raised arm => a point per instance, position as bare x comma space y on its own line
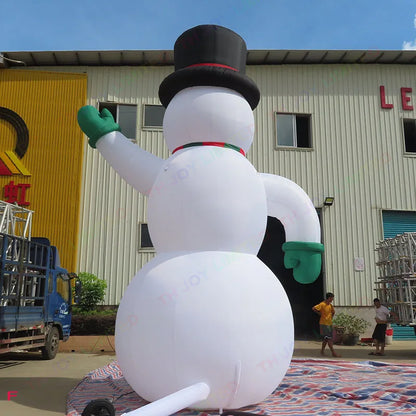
290, 204
136, 166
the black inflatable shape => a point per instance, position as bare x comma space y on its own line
237, 413
99, 407
21, 129
209, 55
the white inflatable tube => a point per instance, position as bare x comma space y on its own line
136, 166
291, 205
173, 402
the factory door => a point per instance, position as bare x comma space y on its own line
302, 297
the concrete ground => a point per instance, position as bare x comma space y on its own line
39, 388
397, 352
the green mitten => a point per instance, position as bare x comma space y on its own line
304, 258
94, 124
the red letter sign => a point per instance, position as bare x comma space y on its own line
383, 98
16, 193
406, 99
11, 394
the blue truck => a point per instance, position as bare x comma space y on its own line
35, 296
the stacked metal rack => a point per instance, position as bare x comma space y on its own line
396, 285
15, 220
15, 236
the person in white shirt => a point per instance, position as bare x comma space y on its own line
379, 334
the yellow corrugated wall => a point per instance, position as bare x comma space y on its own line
48, 103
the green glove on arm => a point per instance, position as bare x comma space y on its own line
304, 258
96, 125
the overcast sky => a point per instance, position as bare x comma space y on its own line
47, 25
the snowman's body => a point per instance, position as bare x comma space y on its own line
206, 309
207, 214
216, 317
207, 198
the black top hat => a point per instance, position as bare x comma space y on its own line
209, 55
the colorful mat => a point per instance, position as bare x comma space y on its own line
310, 387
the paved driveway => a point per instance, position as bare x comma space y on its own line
37, 387
397, 352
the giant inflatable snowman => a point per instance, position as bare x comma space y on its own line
206, 324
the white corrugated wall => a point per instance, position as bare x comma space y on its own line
357, 156
111, 209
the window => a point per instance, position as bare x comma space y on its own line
50, 283
62, 286
409, 128
145, 240
125, 115
293, 130
153, 116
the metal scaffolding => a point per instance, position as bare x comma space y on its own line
396, 285
15, 244
15, 220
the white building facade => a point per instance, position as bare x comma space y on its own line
340, 124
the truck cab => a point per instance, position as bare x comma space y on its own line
58, 296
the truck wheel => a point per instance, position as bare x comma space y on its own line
52, 343
99, 407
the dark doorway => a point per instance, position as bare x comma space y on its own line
302, 297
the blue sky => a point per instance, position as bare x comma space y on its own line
39, 25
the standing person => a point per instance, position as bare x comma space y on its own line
379, 334
326, 312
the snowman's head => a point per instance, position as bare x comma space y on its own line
208, 114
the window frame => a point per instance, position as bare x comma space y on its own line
277, 146
65, 285
405, 151
118, 104
140, 232
151, 128
50, 283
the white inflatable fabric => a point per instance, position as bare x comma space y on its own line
206, 309
209, 111
295, 211
174, 402
207, 198
136, 166
221, 318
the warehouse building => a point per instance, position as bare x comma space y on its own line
341, 124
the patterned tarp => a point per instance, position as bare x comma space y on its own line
310, 387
